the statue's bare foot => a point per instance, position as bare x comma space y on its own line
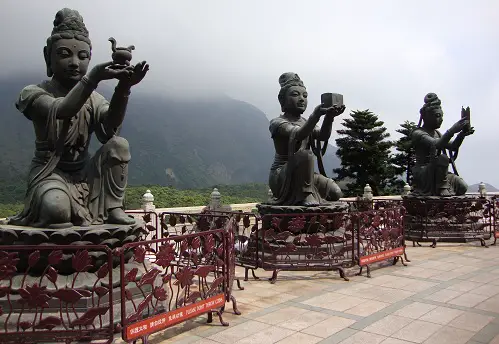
310, 201
117, 216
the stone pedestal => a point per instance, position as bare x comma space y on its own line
109, 235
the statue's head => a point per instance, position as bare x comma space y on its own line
293, 94
68, 49
431, 112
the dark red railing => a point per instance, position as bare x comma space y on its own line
191, 273
44, 305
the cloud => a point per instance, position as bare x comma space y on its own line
382, 55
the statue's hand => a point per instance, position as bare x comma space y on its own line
468, 131
107, 71
334, 110
459, 125
137, 73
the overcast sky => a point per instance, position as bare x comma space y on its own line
382, 55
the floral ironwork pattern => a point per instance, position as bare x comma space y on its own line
379, 233
307, 241
449, 220
192, 263
54, 306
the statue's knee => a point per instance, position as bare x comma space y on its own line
334, 192
55, 206
461, 187
118, 148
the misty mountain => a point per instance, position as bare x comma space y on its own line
182, 142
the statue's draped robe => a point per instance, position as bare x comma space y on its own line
291, 175
77, 174
425, 175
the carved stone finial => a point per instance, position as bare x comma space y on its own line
482, 189
368, 192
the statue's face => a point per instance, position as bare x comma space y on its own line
69, 60
296, 100
434, 118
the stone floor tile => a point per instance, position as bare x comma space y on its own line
273, 300
486, 289
443, 295
471, 321
320, 300
495, 340
341, 304
394, 295
483, 277
418, 286
417, 331
304, 321
468, 300
234, 333
395, 341
388, 325
447, 275
281, 315
267, 336
328, 327
441, 315
415, 310
367, 308
449, 335
300, 338
465, 286
364, 338
204, 341
466, 269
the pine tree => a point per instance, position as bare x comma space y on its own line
404, 158
364, 150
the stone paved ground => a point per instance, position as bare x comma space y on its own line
449, 294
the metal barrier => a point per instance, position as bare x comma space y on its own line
318, 241
44, 305
380, 236
449, 220
190, 274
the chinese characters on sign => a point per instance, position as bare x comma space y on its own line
377, 257
161, 321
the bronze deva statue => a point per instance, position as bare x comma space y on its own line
65, 185
431, 176
297, 141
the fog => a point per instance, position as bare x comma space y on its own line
381, 55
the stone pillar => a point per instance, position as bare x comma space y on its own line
406, 190
482, 190
215, 200
148, 201
368, 193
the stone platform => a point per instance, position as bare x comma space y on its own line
445, 296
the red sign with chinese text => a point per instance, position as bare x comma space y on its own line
161, 321
377, 257
496, 235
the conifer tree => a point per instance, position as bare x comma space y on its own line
365, 153
404, 159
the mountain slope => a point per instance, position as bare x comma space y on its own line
185, 143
